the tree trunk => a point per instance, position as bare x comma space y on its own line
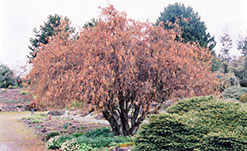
119, 122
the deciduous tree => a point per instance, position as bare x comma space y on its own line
121, 67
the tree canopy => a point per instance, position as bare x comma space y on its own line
120, 67
192, 28
44, 32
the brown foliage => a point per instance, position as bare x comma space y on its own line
121, 67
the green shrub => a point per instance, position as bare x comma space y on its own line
100, 132
234, 92
6, 76
227, 80
51, 134
243, 98
243, 83
202, 123
100, 142
37, 121
65, 125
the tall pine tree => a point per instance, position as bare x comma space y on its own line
192, 28
226, 42
44, 32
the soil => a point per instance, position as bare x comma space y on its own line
15, 136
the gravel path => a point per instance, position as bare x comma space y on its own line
14, 136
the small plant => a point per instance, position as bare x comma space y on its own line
12, 87
73, 145
126, 144
56, 141
65, 125
104, 132
243, 98
53, 143
37, 121
51, 134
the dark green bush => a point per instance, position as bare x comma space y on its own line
234, 92
243, 83
103, 132
202, 123
6, 76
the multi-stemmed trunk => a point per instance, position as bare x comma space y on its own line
126, 118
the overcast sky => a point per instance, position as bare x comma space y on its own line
19, 17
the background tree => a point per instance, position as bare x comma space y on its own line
242, 45
91, 23
47, 30
192, 28
6, 76
120, 67
226, 42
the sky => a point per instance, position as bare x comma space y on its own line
19, 17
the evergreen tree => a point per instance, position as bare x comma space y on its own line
242, 45
45, 31
226, 42
192, 28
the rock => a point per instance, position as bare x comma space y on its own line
56, 113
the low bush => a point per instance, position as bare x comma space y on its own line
243, 83
227, 80
100, 132
203, 123
234, 92
95, 139
51, 134
37, 121
243, 98
57, 141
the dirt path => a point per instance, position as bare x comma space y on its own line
14, 136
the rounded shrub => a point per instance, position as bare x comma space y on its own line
226, 80
234, 92
202, 123
243, 83
243, 98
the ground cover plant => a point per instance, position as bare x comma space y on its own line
120, 67
98, 139
203, 123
